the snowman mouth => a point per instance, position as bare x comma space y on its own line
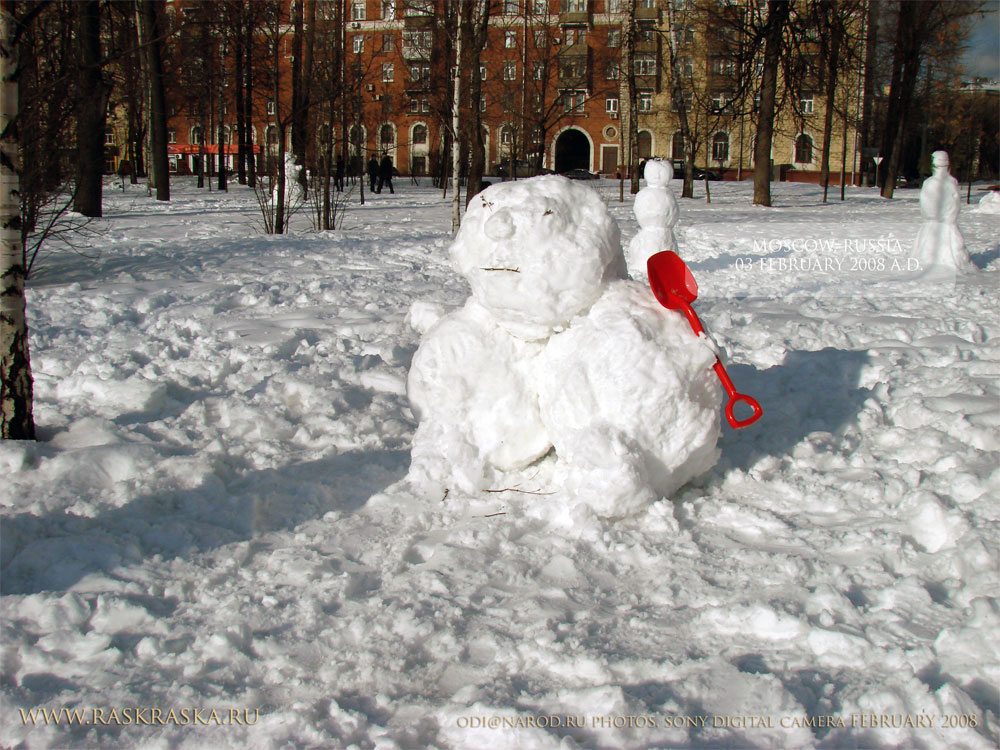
496, 268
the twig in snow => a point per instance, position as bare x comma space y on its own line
512, 270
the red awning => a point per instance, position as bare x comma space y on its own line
210, 148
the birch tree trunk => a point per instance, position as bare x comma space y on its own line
16, 420
456, 159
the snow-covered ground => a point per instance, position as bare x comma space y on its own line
215, 519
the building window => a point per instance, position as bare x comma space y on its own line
611, 105
510, 71
171, 136
572, 69
419, 135
196, 138
510, 39
806, 104
685, 66
359, 45
804, 149
540, 7
645, 101
109, 137
614, 37
358, 11
511, 7
541, 39
538, 71
646, 32
420, 8
724, 66
573, 6
720, 100
386, 137
614, 70
720, 147
645, 144
645, 3
573, 100
388, 43
388, 72
505, 136
425, 106
575, 35
645, 66
614, 6
482, 72
687, 99
414, 106
677, 147
388, 9
482, 103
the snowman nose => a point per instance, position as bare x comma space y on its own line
500, 226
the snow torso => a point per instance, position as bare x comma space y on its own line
555, 350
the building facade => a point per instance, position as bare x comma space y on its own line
553, 85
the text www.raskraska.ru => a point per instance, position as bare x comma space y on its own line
134, 716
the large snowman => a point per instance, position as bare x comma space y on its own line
558, 359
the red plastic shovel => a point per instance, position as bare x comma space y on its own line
676, 289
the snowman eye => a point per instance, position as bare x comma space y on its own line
548, 212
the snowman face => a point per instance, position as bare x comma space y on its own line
537, 252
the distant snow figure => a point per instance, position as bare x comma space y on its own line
989, 203
656, 211
559, 363
940, 246
293, 182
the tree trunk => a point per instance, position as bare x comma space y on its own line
16, 412
829, 12
241, 120
91, 110
456, 108
777, 15
157, 98
906, 60
630, 129
868, 93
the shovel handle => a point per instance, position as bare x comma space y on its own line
735, 398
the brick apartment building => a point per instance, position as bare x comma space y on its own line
553, 92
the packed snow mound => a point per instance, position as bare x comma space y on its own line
537, 252
554, 350
989, 203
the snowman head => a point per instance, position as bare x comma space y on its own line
537, 252
658, 173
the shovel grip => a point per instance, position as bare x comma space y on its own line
735, 398
738, 424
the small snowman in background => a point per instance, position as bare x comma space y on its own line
656, 211
940, 246
293, 186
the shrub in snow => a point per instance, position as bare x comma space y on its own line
557, 349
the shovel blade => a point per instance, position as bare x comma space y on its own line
671, 279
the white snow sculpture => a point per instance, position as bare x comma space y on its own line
293, 188
656, 211
989, 203
556, 349
940, 246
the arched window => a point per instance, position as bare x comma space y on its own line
196, 137
645, 144
386, 136
720, 146
323, 134
677, 148
804, 149
419, 135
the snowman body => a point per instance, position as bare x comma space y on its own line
557, 357
655, 209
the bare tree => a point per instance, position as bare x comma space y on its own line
16, 412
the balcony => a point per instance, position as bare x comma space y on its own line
576, 11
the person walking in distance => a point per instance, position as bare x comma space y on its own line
372, 173
385, 174
338, 175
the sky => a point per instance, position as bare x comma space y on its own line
982, 58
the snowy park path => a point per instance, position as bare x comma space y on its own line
215, 517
